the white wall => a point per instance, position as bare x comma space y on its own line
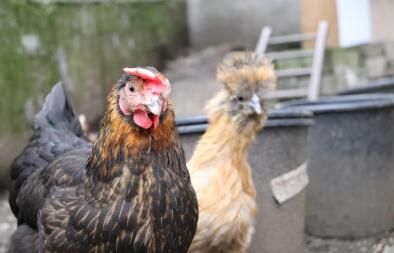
354, 22
382, 19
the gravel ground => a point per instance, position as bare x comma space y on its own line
379, 244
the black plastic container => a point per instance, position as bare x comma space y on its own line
279, 148
378, 86
351, 165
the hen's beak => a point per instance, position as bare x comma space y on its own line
255, 104
154, 104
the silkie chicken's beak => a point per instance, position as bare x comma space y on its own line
255, 104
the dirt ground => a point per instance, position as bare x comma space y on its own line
380, 244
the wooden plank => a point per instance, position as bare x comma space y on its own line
312, 93
317, 65
285, 55
293, 72
314, 11
292, 38
262, 43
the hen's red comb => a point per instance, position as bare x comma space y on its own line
155, 81
142, 73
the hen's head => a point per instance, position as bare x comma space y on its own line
246, 80
142, 96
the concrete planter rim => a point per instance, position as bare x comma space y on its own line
346, 103
371, 87
284, 117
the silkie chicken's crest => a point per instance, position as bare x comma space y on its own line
240, 68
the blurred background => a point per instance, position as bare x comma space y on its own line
85, 43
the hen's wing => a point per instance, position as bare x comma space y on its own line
65, 171
56, 130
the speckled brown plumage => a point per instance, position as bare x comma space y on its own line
130, 193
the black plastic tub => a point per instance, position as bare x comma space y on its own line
351, 165
279, 148
378, 86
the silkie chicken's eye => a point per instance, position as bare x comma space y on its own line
131, 89
240, 98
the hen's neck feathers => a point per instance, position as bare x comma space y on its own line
120, 143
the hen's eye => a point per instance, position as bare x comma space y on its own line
131, 89
240, 98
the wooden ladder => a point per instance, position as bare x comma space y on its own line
314, 71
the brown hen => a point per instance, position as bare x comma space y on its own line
219, 169
129, 192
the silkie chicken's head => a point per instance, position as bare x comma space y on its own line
246, 81
143, 94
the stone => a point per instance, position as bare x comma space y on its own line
372, 50
389, 249
376, 66
389, 50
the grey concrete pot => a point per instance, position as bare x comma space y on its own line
379, 86
278, 149
351, 166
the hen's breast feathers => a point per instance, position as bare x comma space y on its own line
140, 209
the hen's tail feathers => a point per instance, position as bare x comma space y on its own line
57, 112
56, 131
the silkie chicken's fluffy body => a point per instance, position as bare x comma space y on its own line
128, 192
219, 170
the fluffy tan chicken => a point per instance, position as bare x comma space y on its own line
219, 168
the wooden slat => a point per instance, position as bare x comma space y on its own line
315, 71
285, 55
262, 43
317, 65
293, 38
294, 72
289, 94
